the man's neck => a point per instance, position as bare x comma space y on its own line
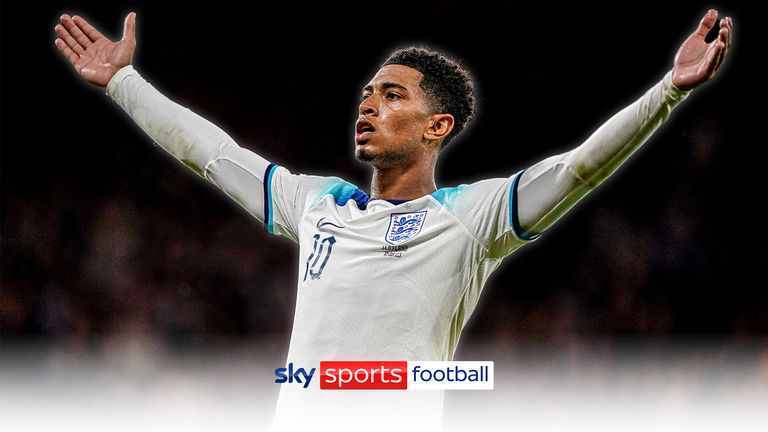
403, 182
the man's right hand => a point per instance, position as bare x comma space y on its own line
95, 57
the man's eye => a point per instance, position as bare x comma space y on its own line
364, 97
393, 96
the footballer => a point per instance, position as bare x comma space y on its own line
393, 272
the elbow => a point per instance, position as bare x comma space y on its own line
591, 167
579, 170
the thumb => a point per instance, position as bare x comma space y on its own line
129, 28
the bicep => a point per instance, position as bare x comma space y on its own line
240, 174
546, 191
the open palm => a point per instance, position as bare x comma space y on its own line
95, 57
698, 61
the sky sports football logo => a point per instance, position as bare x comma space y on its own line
391, 375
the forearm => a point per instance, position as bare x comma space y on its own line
548, 189
191, 139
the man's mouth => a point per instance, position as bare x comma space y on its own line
363, 131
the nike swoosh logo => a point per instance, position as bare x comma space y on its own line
321, 223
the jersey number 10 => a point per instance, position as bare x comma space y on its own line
313, 269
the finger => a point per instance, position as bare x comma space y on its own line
75, 31
723, 54
724, 37
718, 63
88, 29
713, 57
729, 26
68, 39
706, 24
129, 27
67, 51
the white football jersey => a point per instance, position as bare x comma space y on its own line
381, 280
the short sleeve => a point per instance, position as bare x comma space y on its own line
488, 209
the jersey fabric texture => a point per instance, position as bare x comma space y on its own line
378, 280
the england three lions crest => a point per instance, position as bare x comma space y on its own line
404, 226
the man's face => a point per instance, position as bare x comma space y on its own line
393, 118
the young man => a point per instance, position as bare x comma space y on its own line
394, 275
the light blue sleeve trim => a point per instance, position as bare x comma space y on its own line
513, 219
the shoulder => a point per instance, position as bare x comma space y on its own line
465, 193
447, 196
342, 191
316, 187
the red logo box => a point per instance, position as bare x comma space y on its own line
363, 375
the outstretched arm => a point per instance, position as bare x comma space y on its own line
551, 187
196, 142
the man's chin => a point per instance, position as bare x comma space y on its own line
363, 154
380, 158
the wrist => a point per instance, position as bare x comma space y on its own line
672, 92
118, 78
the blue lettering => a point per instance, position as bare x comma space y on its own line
280, 374
463, 375
473, 375
415, 371
442, 375
308, 376
428, 373
290, 375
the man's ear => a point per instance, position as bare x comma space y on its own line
440, 125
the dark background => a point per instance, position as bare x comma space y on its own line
105, 237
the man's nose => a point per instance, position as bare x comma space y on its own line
367, 107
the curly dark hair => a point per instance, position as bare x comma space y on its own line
446, 83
